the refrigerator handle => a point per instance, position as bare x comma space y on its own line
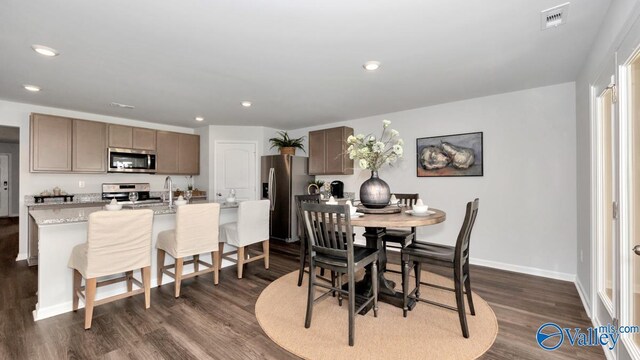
272, 188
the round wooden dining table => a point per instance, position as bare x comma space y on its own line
375, 226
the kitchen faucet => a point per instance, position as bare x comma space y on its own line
168, 181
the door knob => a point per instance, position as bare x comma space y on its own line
636, 249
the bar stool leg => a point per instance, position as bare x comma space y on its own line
146, 282
160, 266
89, 298
196, 265
178, 276
77, 282
240, 261
129, 275
265, 251
215, 258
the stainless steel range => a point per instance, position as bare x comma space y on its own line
121, 191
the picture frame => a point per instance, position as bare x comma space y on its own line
450, 155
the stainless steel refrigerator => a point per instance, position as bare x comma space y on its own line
283, 177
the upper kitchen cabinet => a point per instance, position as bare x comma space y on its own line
328, 152
178, 153
128, 137
189, 154
89, 146
50, 143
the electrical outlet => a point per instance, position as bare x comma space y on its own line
81, 184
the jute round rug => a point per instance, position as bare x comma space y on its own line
428, 332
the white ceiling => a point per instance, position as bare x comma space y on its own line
299, 61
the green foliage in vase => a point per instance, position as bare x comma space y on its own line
374, 152
283, 140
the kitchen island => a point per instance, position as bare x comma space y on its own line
59, 230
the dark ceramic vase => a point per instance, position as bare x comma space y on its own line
375, 192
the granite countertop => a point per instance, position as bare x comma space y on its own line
69, 215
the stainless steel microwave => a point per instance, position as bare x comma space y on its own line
131, 161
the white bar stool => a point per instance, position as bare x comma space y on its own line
252, 227
196, 233
117, 242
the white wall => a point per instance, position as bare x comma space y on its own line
14, 182
619, 18
527, 194
17, 114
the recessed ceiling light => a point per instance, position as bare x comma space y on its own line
199, 118
371, 65
246, 103
45, 50
32, 88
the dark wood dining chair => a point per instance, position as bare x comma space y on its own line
330, 246
400, 236
455, 257
301, 230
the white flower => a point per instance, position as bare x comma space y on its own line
397, 149
360, 137
378, 147
372, 138
386, 123
351, 139
394, 133
364, 164
400, 142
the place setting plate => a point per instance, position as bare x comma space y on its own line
412, 213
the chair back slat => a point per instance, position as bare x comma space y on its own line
407, 199
464, 236
302, 231
329, 229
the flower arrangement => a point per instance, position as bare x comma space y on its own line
371, 152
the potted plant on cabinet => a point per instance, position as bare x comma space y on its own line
285, 144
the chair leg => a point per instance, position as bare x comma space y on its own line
340, 287
196, 265
160, 266
374, 274
459, 286
333, 283
418, 273
146, 282
352, 305
310, 294
89, 299
77, 282
303, 258
467, 286
178, 274
129, 275
265, 251
240, 261
215, 258
405, 287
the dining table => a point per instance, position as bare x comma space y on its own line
375, 226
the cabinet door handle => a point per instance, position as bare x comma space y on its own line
636, 249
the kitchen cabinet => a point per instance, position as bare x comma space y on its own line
167, 154
328, 152
189, 154
89, 146
50, 143
178, 154
128, 137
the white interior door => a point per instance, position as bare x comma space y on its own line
235, 168
4, 185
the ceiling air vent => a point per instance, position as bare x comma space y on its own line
123, 106
554, 17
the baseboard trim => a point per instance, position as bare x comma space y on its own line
524, 269
583, 296
22, 256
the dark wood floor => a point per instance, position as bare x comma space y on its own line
219, 322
